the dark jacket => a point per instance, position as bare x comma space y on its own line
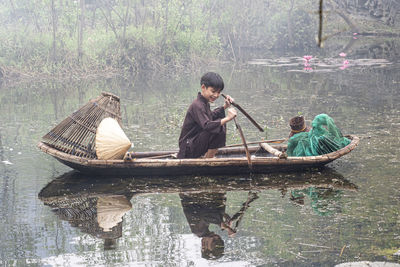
200, 121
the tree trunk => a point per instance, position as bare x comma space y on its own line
165, 29
320, 23
12, 6
93, 18
54, 24
125, 22
353, 27
81, 29
290, 24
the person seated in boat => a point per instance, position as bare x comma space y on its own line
203, 130
298, 125
323, 138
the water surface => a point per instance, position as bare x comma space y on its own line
346, 212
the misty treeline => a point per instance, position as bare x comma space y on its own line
87, 36
384, 11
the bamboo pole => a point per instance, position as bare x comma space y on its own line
275, 141
274, 151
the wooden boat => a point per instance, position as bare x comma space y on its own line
72, 143
229, 160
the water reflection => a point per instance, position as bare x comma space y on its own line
204, 208
322, 200
364, 99
98, 215
324, 64
97, 206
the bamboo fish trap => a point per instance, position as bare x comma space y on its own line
76, 134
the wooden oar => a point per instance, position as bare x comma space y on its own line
246, 114
244, 144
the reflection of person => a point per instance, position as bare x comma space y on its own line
212, 246
203, 130
201, 210
322, 199
205, 208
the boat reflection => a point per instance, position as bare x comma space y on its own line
97, 205
97, 215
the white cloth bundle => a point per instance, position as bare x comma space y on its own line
111, 141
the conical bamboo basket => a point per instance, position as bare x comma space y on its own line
76, 134
111, 141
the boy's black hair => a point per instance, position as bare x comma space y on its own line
212, 79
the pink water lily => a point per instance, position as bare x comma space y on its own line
307, 65
342, 54
344, 65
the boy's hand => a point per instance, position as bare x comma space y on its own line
228, 101
231, 113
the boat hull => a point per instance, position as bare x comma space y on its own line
126, 170
214, 166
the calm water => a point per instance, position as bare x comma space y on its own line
346, 212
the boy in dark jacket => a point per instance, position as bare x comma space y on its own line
203, 130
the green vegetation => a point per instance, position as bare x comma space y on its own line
82, 38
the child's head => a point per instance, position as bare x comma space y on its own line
212, 79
